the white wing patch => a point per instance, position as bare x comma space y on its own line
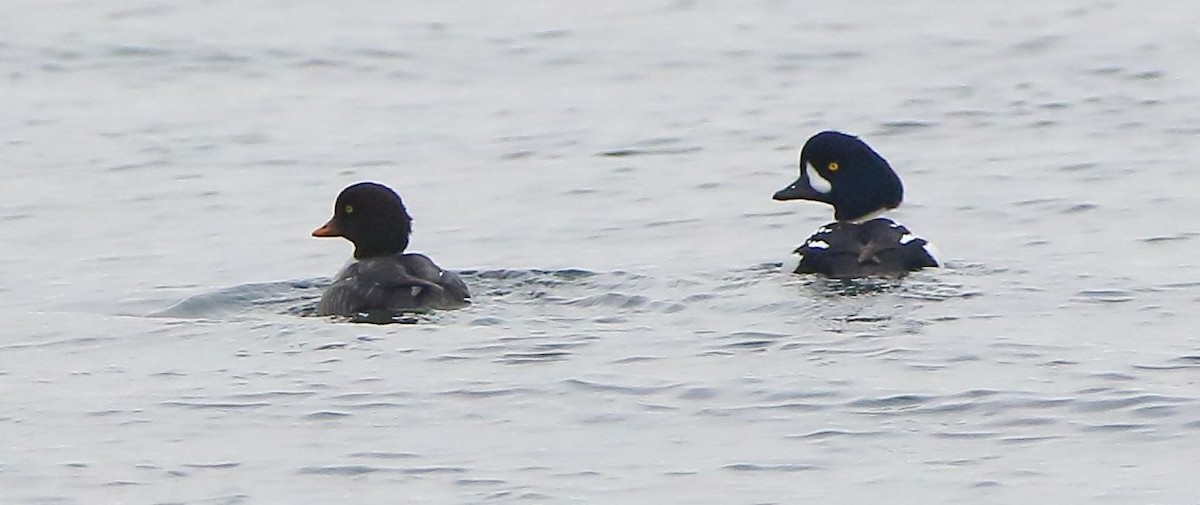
791, 263
932, 251
906, 238
817, 244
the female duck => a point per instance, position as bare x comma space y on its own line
844, 172
373, 218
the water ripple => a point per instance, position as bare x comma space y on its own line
215, 405
783, 467
825, 434
383, 455
355, 470
619, 388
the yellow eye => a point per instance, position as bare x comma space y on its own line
349, 209
833, 166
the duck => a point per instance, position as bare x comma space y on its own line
382, 276
841, 170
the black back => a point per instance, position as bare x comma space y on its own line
393, 283
876, 248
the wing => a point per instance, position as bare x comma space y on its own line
442, 289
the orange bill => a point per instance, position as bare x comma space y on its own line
329, 229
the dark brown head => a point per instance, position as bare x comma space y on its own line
372, 217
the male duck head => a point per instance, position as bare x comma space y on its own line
844, 172
372, 217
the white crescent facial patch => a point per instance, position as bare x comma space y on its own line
821, 184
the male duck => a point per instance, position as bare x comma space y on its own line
374, 219
844, 172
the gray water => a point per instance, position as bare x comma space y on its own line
601, 173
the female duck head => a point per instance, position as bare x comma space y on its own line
372, 217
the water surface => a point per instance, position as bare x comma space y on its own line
601, 174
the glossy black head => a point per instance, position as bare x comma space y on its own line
373, 217
845, 172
